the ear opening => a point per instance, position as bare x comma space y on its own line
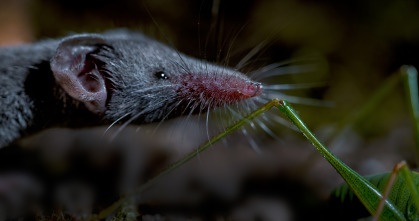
78, 74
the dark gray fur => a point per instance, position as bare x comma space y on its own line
32, 99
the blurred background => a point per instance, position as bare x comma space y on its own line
355, 45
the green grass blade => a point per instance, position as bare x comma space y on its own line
410, 76
411, 185
399, 188
403, 192
104, 213
365, 191
362, 188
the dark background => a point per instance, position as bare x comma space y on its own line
358, 43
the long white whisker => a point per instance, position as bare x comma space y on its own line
125, 124
183, 65
235, 113
249, 55
174, 106
283, 122
252, 142
266, 128
113, 123
193, 107
206, 122
299, 100
294, 86
288, 70
290, 62
231, 44
167, 39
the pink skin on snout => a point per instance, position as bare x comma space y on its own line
216, 90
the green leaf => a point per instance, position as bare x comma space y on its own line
363, 189
400, 195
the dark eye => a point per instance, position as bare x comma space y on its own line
162, 75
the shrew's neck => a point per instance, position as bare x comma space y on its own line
30, 99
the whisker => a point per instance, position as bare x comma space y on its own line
167, 39
235, 114
199, 31
294, 86
249, 55
251, 141
126, 123
251, 105
120, 128
174, 106
283, 121
288, 70
113, 123
267, 68
231, 44
182, 66
187, 105
206, 123
299, 100
193, 107
288, 62
265, 128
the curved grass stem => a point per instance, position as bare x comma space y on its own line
365, 191
109, 210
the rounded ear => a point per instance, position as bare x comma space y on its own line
78, 74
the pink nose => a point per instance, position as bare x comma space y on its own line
253, 89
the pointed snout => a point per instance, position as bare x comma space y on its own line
252, 89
